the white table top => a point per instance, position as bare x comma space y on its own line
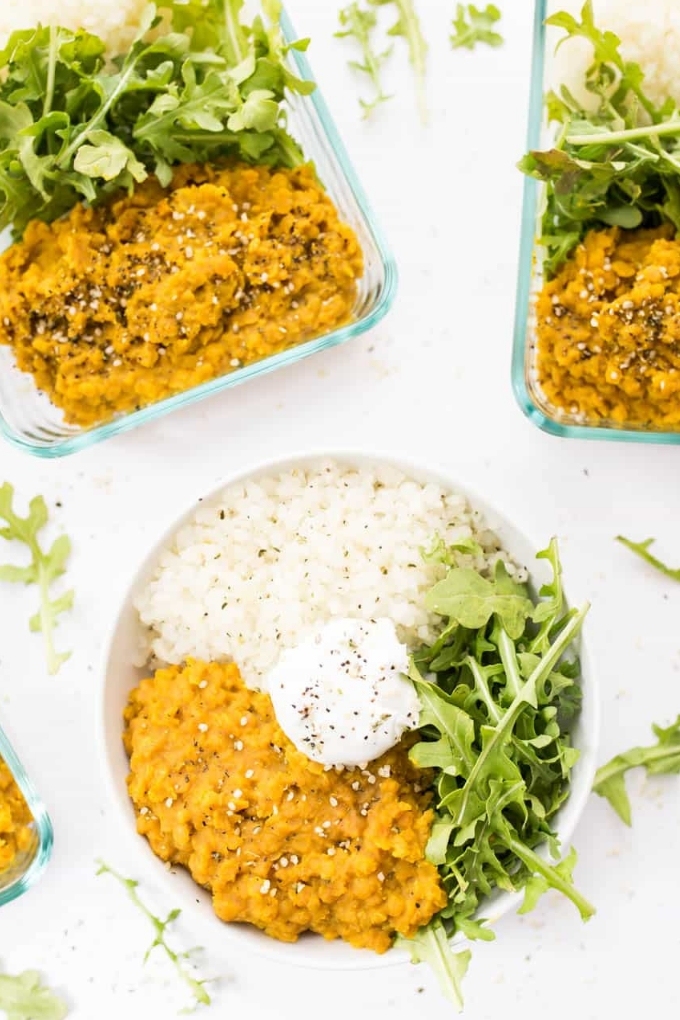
432, 381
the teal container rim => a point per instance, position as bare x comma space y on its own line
525, 272
83, 440
41, 819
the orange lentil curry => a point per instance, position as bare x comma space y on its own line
280, 841
608, 330
16, 831
118, 306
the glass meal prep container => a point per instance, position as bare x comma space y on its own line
530, 279
31, 422
25, 828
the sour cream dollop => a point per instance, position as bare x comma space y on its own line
342, 696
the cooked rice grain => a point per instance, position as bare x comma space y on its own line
274, 556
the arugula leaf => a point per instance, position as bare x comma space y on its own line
74, 127
473, 25
440, 552
544, 876
496, 710
454, 749
23, 997
107, 157
408, 28
471, 600
550, 612
538, 884
431, 946
475, 931
662, 758
360, 23
196, 987
606, 167
46, 567
641, 549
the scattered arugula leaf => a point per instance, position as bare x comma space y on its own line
408, 27
662, 758
74, 126
606, 168
45, 568
23, 997
431, 945
641, 549
359, 23
497, 695
196, 987
473, 25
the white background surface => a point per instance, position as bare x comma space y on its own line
432, 381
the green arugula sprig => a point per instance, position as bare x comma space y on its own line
196, 986
472, 25
24, 997
74, 126
661, 758
498, 697
641, 549
360, 23
606, 167
46, 567
408, 27
431, 946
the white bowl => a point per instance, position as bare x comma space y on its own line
120, 676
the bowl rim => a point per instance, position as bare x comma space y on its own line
294, 953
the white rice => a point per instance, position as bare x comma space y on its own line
253, 573
649, 33
115, 21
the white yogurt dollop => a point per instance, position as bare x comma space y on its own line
342, 696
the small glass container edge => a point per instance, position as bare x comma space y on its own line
41, 820
522, 325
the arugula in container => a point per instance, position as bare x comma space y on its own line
75, 126
615, 165
499, 693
